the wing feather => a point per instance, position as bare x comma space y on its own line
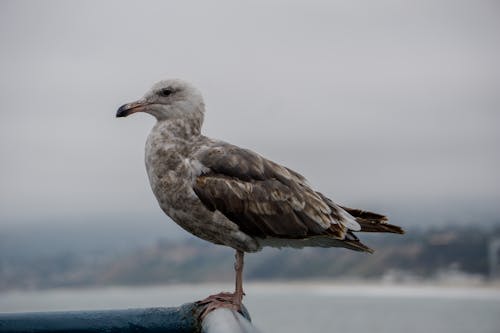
264, 198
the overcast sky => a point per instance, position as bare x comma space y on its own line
387, 105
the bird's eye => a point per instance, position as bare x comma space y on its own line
166, 92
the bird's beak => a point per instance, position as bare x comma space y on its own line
129, 108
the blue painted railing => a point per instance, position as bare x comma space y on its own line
183, 319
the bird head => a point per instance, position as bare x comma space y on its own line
168, 99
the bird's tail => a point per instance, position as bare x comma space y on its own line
373, 222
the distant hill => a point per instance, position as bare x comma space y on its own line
423, 254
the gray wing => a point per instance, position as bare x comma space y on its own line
264, 198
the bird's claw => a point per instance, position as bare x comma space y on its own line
221, 300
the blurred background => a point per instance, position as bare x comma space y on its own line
391, 106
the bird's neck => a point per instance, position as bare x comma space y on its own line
184, 129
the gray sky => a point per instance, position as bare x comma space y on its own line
388, 105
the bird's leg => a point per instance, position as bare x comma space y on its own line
238, 267
227, 300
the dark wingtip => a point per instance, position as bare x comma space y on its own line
394, 229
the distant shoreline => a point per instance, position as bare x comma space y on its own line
279, 286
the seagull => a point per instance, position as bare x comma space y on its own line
233, 196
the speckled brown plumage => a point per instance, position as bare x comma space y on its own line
232, 196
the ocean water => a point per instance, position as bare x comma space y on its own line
301, 307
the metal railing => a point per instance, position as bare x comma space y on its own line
183, 319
